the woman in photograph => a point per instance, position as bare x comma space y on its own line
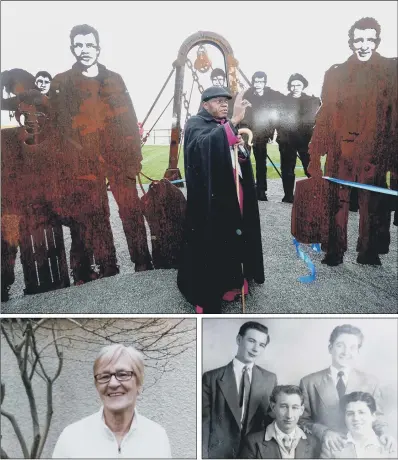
116, 430
359, 411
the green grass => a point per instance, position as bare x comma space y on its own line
156, 161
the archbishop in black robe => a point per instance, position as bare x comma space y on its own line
218, 237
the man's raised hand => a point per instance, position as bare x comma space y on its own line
240, 107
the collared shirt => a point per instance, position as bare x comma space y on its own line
372, 448
334, 373
273, 431
238, 371
92, 438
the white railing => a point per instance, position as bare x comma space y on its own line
159, 136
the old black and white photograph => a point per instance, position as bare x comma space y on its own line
299, 388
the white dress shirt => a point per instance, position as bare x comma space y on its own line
91, 438
238, 371
273, 431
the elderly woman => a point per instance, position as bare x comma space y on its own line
359, 410
117, 430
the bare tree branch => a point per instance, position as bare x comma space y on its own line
18, 432
90, 331
49, 415
6, 336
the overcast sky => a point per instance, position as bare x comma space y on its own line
140, 40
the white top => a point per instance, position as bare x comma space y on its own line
273, 431
91, 438
372, 448
238, 371
335, 371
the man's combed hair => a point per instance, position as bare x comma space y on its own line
288, 390
217, 73
346, 329
358, 396
254, 325
84, 29
362, 24
45, 74
259, 74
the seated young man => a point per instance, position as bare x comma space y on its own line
359, 409
283, 438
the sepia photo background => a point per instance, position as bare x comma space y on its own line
299, 347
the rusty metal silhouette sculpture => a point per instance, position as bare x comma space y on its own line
94, 111
91, 134
295, 131
164, 208
43, 81
357, 128
30, 172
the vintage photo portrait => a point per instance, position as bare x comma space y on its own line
299, 388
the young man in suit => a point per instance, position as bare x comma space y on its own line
323, 390
283, 438
235, 397
96, 114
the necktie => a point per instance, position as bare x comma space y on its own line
287, 442
244, 393
340, 384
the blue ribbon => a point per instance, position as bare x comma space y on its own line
316, 247
307, 260
372, 188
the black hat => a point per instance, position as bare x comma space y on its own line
215, 91
297, 76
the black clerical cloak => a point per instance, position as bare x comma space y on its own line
217, 237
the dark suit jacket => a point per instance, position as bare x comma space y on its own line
321, 401
256, 447
221, 433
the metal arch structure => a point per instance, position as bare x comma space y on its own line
231, 66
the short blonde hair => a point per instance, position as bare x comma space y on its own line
113, 352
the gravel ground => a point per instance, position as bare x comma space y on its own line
348, 288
